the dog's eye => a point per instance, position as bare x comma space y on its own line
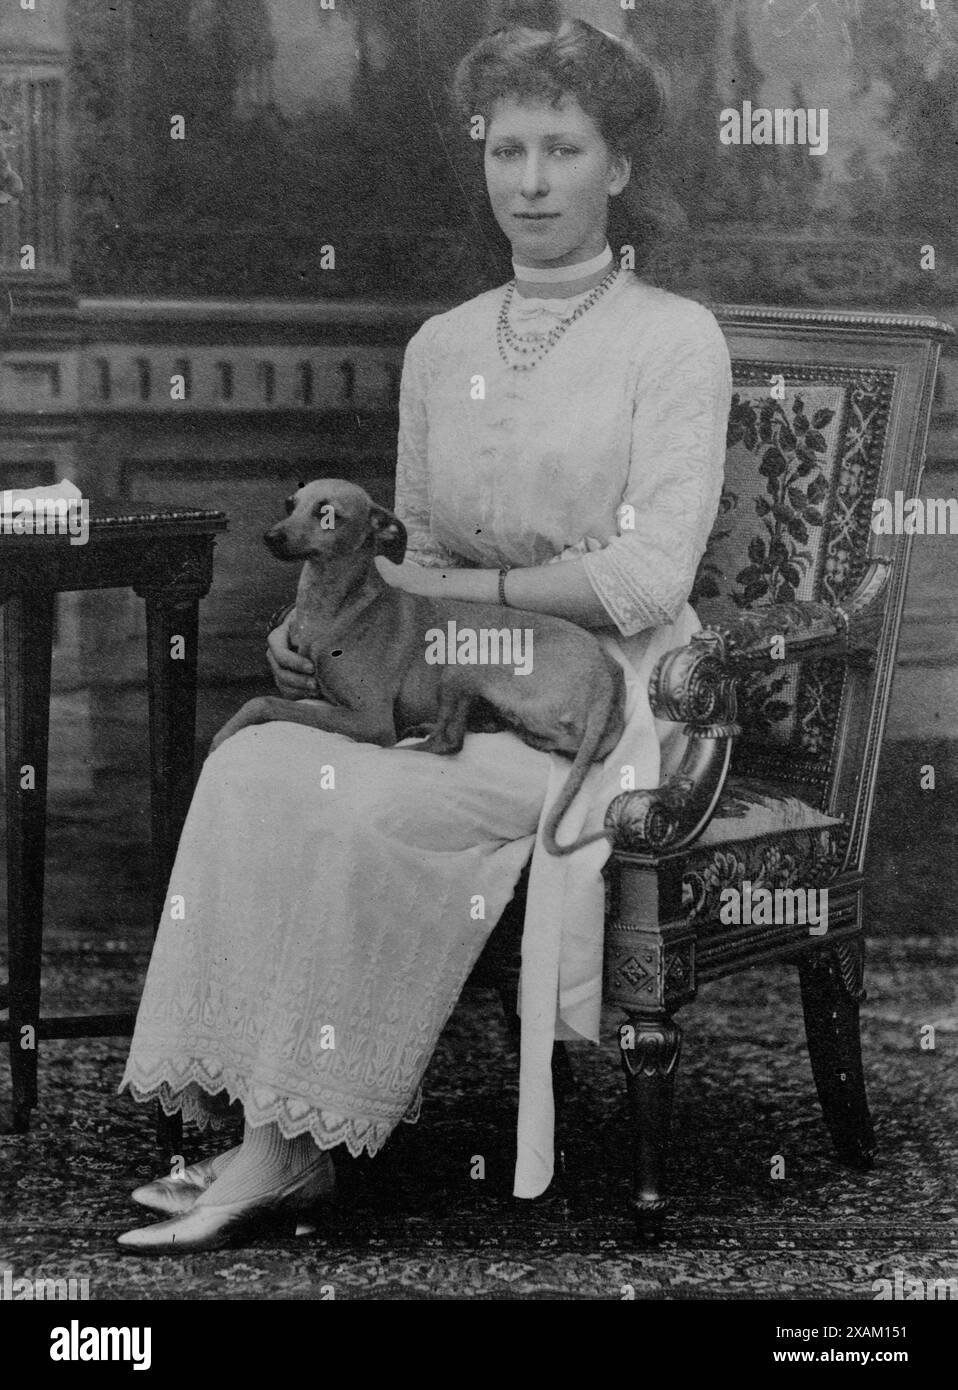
290, 505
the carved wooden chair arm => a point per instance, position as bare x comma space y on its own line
760, 637
697, 684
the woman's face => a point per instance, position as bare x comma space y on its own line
550, 175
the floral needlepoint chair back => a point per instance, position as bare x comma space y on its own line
794, 528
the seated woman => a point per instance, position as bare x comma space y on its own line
322, 937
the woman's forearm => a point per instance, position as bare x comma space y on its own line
561, 589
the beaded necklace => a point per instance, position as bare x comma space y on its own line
535, 346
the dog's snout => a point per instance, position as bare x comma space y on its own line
275, 540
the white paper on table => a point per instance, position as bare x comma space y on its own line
10, 496
60, 509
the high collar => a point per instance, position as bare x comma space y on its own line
561, 281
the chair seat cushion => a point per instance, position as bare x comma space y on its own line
748, 808
756, 833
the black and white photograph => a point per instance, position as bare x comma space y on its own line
479, 582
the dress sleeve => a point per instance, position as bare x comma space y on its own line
643, 577
412, 504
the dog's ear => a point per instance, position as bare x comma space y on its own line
389, 534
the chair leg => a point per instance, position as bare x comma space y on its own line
650, 1046
831, 984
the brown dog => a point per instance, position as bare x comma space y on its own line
385, 662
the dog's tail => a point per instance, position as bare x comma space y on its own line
604, 717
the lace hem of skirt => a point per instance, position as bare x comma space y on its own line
200, 1097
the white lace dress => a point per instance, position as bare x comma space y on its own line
329, 898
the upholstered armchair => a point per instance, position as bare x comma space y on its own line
784, 694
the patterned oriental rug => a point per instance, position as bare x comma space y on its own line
416, 1223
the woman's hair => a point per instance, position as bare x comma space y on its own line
612, 82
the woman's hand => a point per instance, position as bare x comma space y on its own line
294, 674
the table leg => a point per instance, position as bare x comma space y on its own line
172, 631
28, 643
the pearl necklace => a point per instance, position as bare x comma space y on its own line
536, 346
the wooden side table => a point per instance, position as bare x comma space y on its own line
165, 554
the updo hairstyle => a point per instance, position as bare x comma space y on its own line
613, 83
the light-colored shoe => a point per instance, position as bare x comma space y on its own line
211, 1228
176, 1194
